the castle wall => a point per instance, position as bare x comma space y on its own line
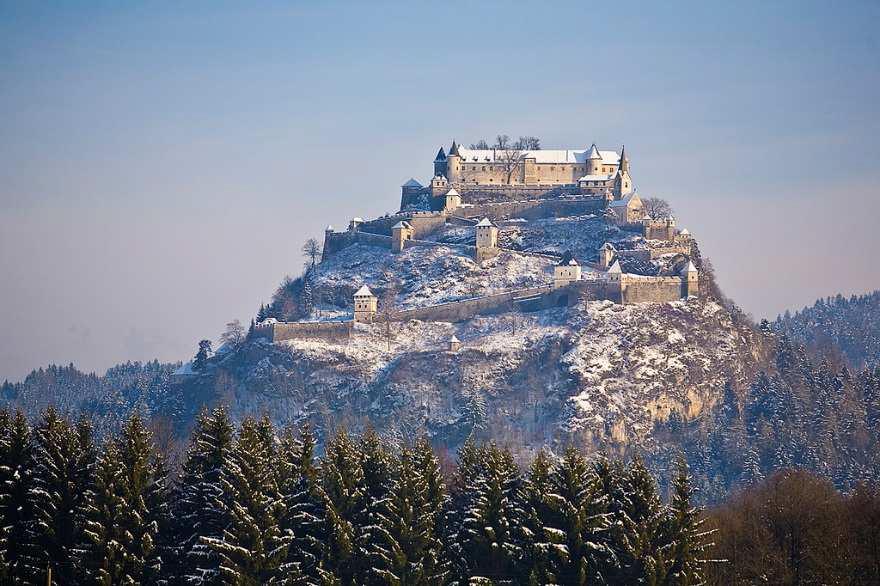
639, 289
527, 171
472, 193
533, 209
279, 331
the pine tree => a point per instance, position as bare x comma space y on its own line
104, 559
342, 478
684, 542
645, 515
252, 548
543, 550
194, 502
578, 513
16, 511
406, 549
377, 484
489, 536
64, 461
305, 505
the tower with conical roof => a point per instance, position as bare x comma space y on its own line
453, 163
440, 163
622, 179
594, 160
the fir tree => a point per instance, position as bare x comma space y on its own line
377, 484
64, 461
644, 513
543, 550
194, 503
684, 542
342, 478
252, 548
16, 511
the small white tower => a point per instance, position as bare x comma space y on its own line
454, 344
594, 161
487, 240
400, 233
366, 305
606, 256
691, 280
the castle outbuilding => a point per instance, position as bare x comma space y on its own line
565, 273
628, 210
366, 305
691, 280
487, 240
607, 254
400, 233
454, 344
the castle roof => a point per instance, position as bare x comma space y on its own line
607, 246
452, 192
412, 183
540, 156
596, 178
455, 149
594, 153
690, 268
401, 224
615, 269
685, 232
454, 339
441, 155
364, 291
626, 200
485, 222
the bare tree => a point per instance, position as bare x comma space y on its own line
528, 143
234, 334
481, 145
508, 155
312, 250
657, 208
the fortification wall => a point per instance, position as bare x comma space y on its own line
533, 208
333, 330
477, 194
465, 309
638, 289
336, 241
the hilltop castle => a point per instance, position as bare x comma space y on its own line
476, 175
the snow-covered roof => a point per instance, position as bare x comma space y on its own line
364, 291
540, 156
690, 268
485, 222
412, 183
594, 153
452, 192
186, 369
401, 224
454, 339
607, 246
624, 201
329, 228
596, 178
615, 268
685, 232
357, 219
572, 263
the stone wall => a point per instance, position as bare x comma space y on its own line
477, 194
533, 208
640, 289
333, 330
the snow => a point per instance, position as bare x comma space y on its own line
412, 183
484, 223
548, 156
364, 291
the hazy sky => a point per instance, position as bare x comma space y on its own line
161, 164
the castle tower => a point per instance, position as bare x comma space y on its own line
606, 256
454, 344
622, 179
594, 161
366, 305
566, 273
615, 282
452, 200
690, 280
487, 240
400, 233
440, 163
453, 164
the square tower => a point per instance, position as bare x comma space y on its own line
487, 240
366, 305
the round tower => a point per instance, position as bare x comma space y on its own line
594, 161
453, 164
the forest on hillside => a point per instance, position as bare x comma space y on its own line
848, 326
254, 505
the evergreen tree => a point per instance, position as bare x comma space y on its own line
489, 536
377, 484
342, 478
543, 551
64, 461
252, 548
104, 560
16, 511
684, 542
644, 513
195, 510
201, 358
305, 507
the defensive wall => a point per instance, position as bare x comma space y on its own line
651, 253
642, 289
278, 331
533, 209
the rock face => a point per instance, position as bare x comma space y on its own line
598, 374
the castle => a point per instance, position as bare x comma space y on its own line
486, 191
482, 174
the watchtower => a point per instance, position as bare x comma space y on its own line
487, 240
366, 305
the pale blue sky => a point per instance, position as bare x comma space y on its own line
161, 163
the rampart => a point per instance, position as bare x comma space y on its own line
642, 289
533, 208
331, 330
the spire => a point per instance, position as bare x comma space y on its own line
454, 149
441, 156
594, 152
624, 160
